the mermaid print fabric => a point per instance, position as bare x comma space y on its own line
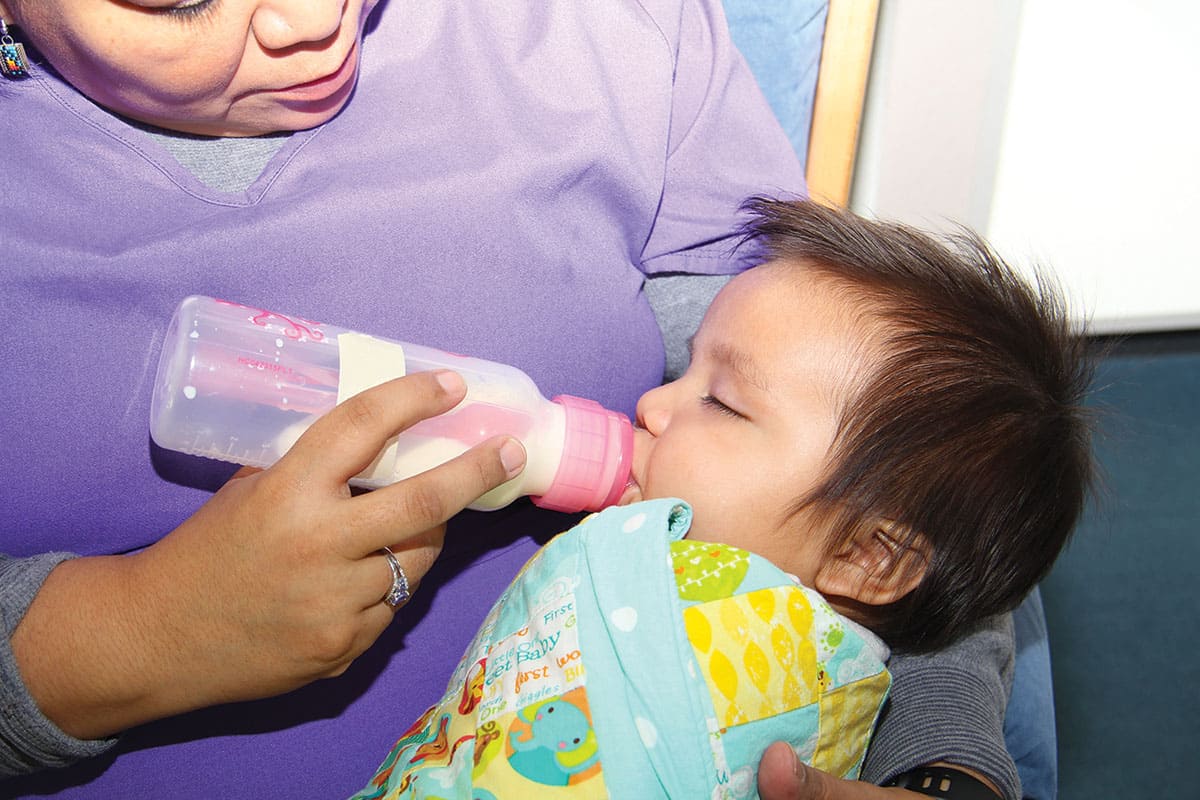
626, 661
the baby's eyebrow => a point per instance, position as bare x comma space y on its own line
742, 363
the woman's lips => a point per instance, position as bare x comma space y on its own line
324, 88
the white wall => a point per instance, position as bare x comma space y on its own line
1064, 130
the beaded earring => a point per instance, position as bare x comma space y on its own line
13, 63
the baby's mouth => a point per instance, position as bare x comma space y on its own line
642, 444
632, 493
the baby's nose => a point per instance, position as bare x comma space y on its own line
652, 417
653, 412
654, 421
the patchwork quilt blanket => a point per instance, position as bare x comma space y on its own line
627, 661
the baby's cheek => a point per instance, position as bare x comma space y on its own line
717, 513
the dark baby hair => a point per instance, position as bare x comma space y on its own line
971, 429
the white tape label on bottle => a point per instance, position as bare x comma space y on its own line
363, 362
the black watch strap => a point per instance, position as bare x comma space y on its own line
945, 782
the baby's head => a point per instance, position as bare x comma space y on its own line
894, 418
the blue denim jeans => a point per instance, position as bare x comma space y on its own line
1029, 731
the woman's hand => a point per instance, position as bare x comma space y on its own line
782, 776
276, 581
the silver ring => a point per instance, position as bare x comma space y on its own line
397, 595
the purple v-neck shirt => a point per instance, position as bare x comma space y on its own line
499, 185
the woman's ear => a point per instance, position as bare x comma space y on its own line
882, 564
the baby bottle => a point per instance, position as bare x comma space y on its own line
241, 384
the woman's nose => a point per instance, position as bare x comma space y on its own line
279, 24
654, 410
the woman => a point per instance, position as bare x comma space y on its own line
494, 180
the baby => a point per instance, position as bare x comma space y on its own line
878, 443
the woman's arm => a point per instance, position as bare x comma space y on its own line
949, 706
273, 583
29, 741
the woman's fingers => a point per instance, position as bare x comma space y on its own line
782, 776
415, 556
391, 515
346, 440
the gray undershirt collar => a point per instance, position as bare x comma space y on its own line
227, 164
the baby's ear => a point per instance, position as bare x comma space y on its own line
882, 564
